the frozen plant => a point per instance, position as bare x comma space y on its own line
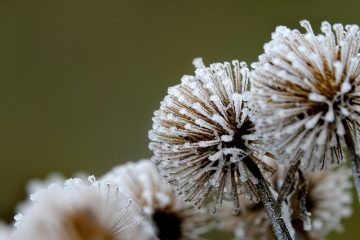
217, 142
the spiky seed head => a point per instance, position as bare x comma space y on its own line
202, 133
305, 93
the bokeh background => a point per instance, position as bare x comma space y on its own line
79, 80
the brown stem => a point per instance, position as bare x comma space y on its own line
271, 206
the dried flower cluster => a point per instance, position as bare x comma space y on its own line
218, 138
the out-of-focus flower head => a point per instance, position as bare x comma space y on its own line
79, 210
172, 218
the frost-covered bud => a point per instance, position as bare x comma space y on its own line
202, 136
79, 210
305, 94
329, 200
171, 217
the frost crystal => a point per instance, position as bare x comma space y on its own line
171, 217
305, 93
202, 134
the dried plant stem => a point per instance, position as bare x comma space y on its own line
304, 215
355, 164
354, 158
271, 206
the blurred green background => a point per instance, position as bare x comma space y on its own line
80, 79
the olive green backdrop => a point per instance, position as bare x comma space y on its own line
79, 80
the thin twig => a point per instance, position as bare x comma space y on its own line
271, 206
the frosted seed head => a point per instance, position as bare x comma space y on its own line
303, 77
209, 130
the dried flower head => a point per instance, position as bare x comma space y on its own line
305, 90
78, 210
328, 201
202, 135
172, 218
